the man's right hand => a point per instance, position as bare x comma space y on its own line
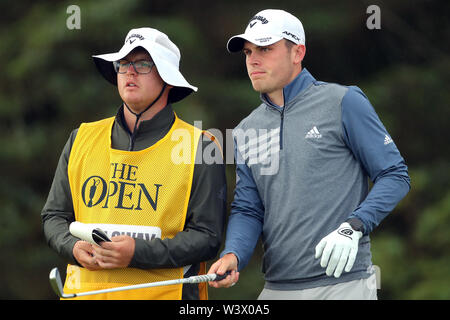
84, 254
224, 264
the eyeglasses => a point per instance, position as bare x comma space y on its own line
141, 66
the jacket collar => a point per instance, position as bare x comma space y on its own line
159, 123
293, 89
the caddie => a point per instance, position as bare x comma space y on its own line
163, 211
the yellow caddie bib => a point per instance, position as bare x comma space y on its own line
143, 194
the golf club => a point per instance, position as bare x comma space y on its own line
56, 283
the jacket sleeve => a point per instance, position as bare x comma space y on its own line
378, 155
247, 215
58, 212
201, 238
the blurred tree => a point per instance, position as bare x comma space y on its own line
50, 85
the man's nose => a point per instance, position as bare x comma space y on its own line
133, 71
252, 59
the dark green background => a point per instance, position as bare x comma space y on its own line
49, 85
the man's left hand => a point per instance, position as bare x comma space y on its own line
338, 250
115, 254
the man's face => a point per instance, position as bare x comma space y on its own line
138, 90
270, 68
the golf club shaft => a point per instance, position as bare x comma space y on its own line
131, 287
194, 279
56, 283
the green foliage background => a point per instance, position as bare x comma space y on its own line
49, 85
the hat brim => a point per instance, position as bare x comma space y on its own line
168, 72
236, 43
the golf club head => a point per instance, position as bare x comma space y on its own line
55, 282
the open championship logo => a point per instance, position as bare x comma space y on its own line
122, 191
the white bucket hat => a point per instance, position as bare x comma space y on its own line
267, 27
164, 53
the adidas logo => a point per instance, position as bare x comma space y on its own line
313, 134
387, 140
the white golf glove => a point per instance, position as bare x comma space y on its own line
339, 249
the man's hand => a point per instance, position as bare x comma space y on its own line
115, 254
227, 262
342, 246
83, 252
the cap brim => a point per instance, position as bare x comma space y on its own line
236, 43
106, 69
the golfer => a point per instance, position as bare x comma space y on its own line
136, 177
302, 183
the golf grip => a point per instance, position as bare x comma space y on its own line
221, 277
205, 278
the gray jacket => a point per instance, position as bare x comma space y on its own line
302, 170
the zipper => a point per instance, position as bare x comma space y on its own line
133, 134
281, 117
282, 120
281, 128
132, 139
281, 123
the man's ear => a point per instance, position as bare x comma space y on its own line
299, 52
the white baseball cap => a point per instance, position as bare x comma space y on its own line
267, 27
164, 53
